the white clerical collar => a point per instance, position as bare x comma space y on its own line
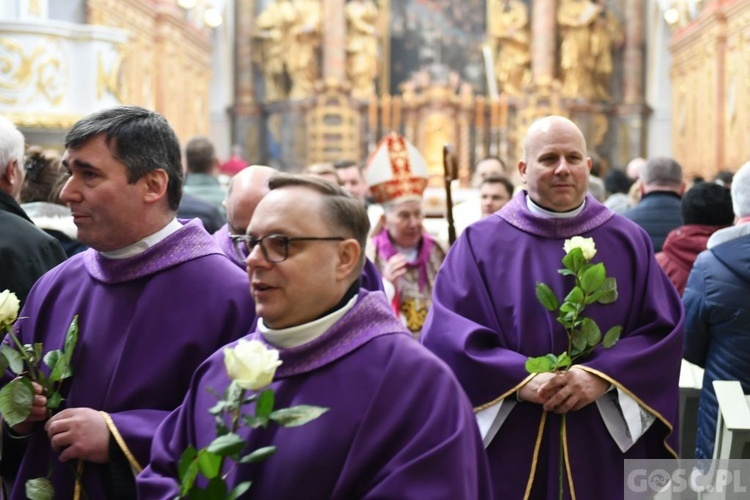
410, 254
548, 214
145, 243
295, 336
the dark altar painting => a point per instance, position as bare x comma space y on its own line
442, 32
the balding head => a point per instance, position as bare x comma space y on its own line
246, 190
555, 168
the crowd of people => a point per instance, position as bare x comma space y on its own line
418, 351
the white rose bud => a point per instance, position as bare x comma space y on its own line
9, 305
251, 364
585, 244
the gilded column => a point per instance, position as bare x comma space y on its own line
543, 42
334, 41
632, 74
243, 52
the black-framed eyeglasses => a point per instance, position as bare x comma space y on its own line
275, 247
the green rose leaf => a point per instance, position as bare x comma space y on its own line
16, 400
541, 364
71, 337
209, 463
594, 297
575, 296
39, 489
258, 455
58, 366
591, 332
564, 361
564, 322
187, 469
546, 297
593, 278
54, 401
3, 364
609, 291
578, 340
13, 357
568, 307
611, 337
297, 415
253, 421
574, 260
216, 488
227, 445
264, 406
239, 490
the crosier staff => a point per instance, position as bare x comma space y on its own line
449, 170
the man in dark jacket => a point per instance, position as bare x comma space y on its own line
717, 312
661, 189
706, 208
26, 252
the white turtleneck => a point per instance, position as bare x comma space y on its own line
548, 214
145, 243
295, 336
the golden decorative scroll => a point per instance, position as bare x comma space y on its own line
42, 70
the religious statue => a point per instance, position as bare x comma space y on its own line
361, 47
272, 28
605, 36
509, 34
576, 19
304, 43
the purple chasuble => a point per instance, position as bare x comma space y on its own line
398, 424
369, 280
486, 320
145, 324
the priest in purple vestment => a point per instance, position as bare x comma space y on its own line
154, 299
398, 424
486, 320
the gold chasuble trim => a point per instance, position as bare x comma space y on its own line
79, 478
505, 394
535, 458
638, 400
566, 457
121, 442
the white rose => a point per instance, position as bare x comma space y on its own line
251, 364
585, 244
8, 307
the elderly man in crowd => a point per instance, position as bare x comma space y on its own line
398, 424
659, 209
26, 252
486, 322
404, 253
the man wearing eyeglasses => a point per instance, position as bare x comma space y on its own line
398, 424
246, 190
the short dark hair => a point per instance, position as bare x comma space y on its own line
498, 179
707, 204
345, 212
141, 139
200, 155
617, 181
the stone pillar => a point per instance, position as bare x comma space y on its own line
543, 43
243, 52
632, 74
334, 40
247, 125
